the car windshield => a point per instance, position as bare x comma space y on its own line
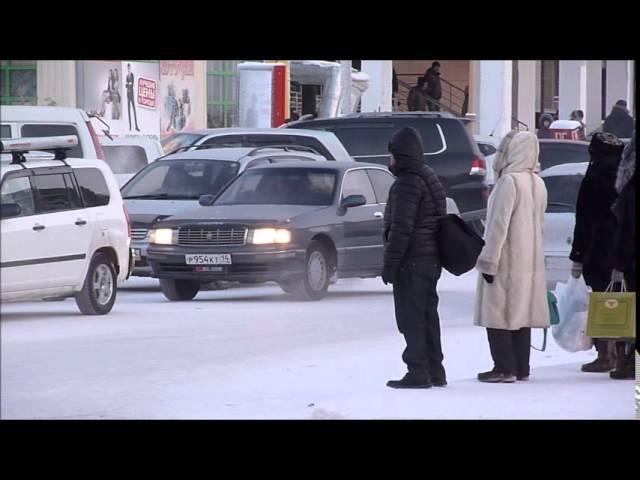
180, 179
171, 143
562, 191
290, 186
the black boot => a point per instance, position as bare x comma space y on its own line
604, 361
411, 381
493, 376
625, 365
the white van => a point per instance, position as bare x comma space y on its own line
127, 156
20, 121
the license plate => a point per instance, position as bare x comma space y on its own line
137, 254
219, 259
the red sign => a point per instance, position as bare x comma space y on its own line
147, 93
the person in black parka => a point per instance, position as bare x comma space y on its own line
417, 200
623, 249
595, 228
619, 122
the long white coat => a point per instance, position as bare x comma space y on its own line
514, 250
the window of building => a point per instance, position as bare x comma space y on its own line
18, 82
222, 93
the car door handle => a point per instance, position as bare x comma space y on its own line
378, 215
81, 222
37, 227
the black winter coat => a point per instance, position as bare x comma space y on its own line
623, 250
416, 202
595, 222
619, 122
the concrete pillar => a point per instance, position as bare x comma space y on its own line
473, 93
526, 93
378, 97
56, 82
345, 99
199, 107
494, 85
591, 93
631, 87
569, 90
617, 83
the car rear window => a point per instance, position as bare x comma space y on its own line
562, 192
171, 143
93, 187
48, 130
261, 140
556, 154
125, 159
56, 193
5, 131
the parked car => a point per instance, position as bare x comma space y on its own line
449, 148
173, 183
295, 224
488, 146
557, 152
19, 121
65, 230
127, 156
563, 183
323, 142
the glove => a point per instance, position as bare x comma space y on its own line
576, 270
488, 278
617, 276
387, 275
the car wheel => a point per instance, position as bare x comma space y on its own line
314, 284
98, 293
179, 290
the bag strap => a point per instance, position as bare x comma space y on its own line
623, 287
544, 342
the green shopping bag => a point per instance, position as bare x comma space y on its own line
612, 314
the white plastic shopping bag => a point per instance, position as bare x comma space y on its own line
573, 303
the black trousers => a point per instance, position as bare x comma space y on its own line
131, 103
510, 350
416, 307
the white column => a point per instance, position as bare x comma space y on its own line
494, 87
56, 82
527, 93
378, 97
569, 91
591, 93
617, 83
199, 111
631, 87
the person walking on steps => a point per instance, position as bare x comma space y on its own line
623, 250
411, 260
511, 296
595, 228
417, 100
131, 97
434, 86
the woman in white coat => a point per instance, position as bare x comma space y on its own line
512, 295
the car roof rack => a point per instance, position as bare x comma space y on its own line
18, 147
286, 148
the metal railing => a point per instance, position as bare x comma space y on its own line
454, 99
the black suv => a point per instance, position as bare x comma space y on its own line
449, 147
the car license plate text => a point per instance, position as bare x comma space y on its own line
218, 259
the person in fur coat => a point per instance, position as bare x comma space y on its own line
512, 294
595, 229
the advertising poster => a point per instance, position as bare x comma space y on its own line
255, 95
140, 105
177, 87
101, 94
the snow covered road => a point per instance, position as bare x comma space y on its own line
253, 353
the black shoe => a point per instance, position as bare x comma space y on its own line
625, 373
493, 376
439, 382
523, 378
410, 381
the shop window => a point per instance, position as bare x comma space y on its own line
18, 82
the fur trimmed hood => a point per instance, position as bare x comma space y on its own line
517, 152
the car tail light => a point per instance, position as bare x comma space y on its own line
96, 142
478, 166
126, 214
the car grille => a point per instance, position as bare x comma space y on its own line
139, 233
212, 236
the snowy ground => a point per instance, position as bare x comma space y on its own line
251, 353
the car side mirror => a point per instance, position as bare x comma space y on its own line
353, 201
8, 210
206, 200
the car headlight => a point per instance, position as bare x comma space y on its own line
164, 236
266, 236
